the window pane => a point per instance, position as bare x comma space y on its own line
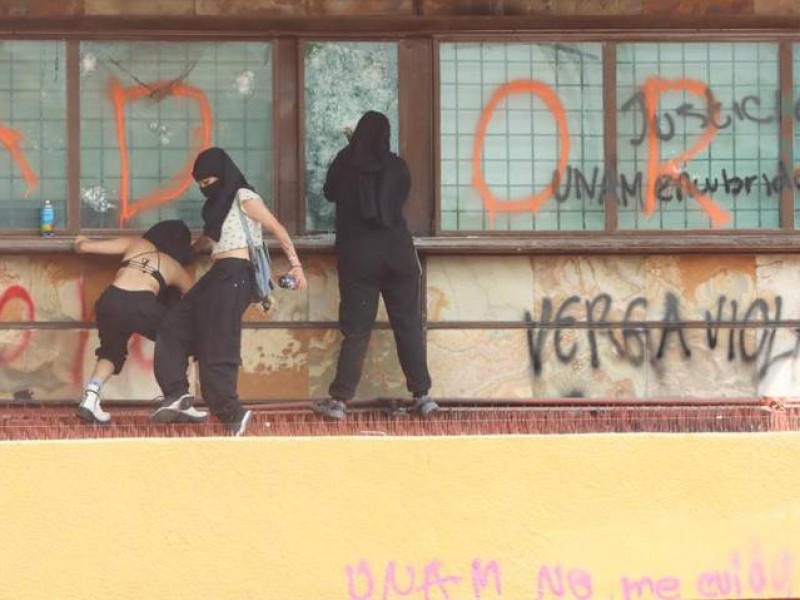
521, 143
33, 129
343, 80
146, 110
691, 165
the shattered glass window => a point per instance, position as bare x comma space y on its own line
148, 108
33, 130
343, 80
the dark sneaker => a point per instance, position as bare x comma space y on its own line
90, 410
330, 409
169, 410
239, 426
425, 406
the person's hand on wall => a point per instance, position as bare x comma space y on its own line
77, 245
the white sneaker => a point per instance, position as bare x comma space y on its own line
90, 410
192, 415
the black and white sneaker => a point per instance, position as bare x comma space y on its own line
90, 410
239, 426
192, 415
172, 409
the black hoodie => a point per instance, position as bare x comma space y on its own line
368, 183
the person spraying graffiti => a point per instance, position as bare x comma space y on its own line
208, 320
369, 185
150, 274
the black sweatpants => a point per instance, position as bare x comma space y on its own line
384, 265
121, 313
207, 322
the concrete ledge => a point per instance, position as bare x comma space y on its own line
535, 243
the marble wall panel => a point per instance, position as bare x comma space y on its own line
277, 8
288, 305
698, 7
705, 372
462, 7
46, 362
360, 7
381, 377
622, 278
275, 364
480, 363
136, 381
570, 7
40, 8
779, 365
54, 364
479, 288
56, 290
777, 7
150, 7
323, 290
583, 363
779, 275
698, 283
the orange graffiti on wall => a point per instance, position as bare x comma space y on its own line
653, 88
20, 294
11, 139
181, 181
533, 203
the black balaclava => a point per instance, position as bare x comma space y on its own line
220, 194
172, 238
368, 152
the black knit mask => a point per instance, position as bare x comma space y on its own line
215, 162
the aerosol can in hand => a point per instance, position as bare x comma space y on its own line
287, 281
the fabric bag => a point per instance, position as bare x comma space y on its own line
259, 259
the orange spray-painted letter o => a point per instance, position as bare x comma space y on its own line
532, 203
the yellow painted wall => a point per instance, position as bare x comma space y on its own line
615, 516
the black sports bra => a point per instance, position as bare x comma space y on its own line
144, 266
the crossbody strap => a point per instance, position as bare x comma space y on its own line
245, 226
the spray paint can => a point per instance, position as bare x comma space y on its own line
287, 281
47, 219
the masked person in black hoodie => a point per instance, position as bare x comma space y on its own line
149, 279
208, 321
369, 185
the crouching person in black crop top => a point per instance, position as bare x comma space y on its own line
150, 274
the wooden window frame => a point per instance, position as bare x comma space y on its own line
418, 39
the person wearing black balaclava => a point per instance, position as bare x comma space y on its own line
208, 320
149, 277
376, 256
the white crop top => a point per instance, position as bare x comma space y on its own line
232, 235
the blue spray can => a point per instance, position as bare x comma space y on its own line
287, 281
47, 219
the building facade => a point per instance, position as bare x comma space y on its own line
604, 192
